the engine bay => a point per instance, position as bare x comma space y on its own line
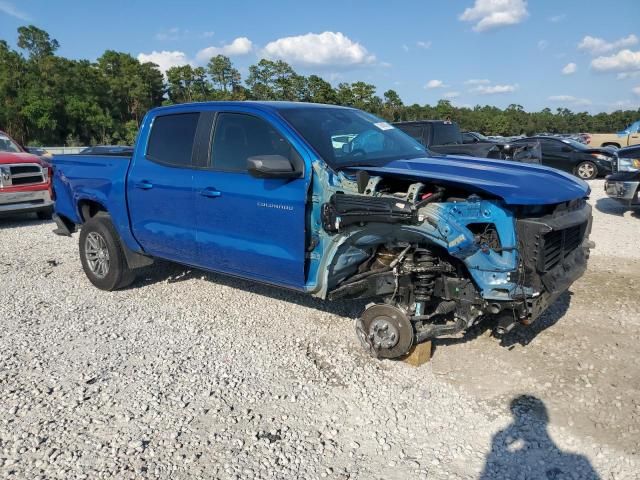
439, 258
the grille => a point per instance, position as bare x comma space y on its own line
614, 163
22, 174
558, 244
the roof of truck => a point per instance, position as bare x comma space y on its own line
261, 105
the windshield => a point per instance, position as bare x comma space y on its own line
346, 137
8, 145
575, 144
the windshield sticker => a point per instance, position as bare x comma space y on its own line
384, 126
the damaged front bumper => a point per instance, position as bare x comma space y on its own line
554, 253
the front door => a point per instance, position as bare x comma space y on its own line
249, 226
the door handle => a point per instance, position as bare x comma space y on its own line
210, 193
144, 185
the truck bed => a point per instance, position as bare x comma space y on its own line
93, 178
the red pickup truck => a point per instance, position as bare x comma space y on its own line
25, 181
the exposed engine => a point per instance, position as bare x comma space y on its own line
441, 259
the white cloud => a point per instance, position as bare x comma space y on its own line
173, 33
10, 9
495, 13
435, 84
319, 49
596, 45
493, 89
477, 81
542, 44
569, 69
165, 59
623, 61
557, 18
405, 48
625, 75
239, 46
208, 34
636, 90
569, 100
424, 45
451, 95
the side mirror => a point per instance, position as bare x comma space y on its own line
566, 149
271, 166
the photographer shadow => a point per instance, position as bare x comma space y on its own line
524, 448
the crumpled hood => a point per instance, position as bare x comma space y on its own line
516, 183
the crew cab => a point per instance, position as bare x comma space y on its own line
445, 137
332, 202
624, 138
25, 182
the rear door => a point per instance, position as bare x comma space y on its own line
160, 189
250, 226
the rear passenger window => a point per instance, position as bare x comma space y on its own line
238, 137
171, 140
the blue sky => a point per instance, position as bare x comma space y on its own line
584, 55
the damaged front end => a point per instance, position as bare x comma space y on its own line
438, 257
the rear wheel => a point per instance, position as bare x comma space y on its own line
587, 170
101, 254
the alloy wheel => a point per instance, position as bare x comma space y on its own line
97, 254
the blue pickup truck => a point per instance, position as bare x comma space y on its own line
336, 203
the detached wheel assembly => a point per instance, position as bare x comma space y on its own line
385, 331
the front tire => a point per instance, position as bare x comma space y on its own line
102, 256
587, 170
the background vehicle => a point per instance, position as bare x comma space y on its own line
627, 137
475, 137
443, 136
257, 190
624, 184
574, 157
25, 181
108, 150
40, 152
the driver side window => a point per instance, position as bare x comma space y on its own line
238, 136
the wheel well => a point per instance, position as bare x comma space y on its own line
89, 208
611, 144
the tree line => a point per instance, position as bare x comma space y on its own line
46, 99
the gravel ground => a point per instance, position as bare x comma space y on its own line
195, 375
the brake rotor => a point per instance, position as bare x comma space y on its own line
385, 331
